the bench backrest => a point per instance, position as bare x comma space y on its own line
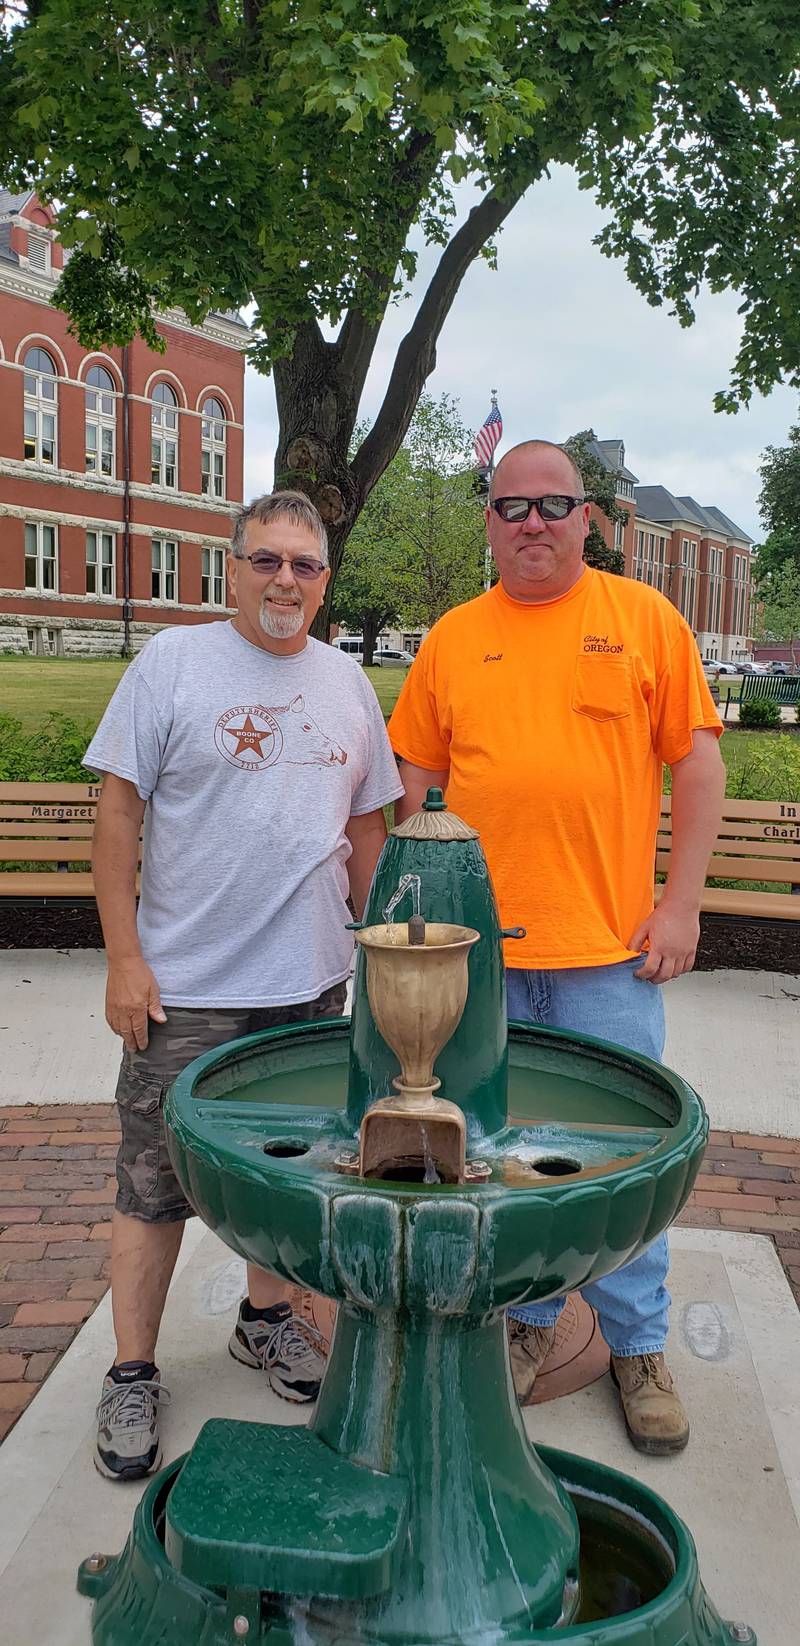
780, 688
757, 840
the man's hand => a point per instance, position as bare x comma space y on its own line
132, 998
672, 933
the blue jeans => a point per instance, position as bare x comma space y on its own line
608, 1001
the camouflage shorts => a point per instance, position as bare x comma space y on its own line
147, 1187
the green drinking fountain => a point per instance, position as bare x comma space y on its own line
414, 1510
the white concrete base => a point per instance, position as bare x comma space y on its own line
735, 1036
735, 1348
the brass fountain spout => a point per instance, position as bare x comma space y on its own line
417, 988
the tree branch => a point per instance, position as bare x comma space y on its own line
416, 356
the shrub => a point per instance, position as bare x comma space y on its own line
50, 754
762, 712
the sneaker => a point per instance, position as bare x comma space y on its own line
654, 1416
528, 1348
289, 1349
128, 1446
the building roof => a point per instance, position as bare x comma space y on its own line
728, 526
611, 453
658, 504
695, 511
13, 202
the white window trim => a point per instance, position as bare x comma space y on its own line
161, 434
40, 527
101, 565
212, 446
100, 420
160, 544
41, 406
216, 556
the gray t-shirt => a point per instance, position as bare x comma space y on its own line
251, 765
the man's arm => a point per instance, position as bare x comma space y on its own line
132, 994
673, 929
416, 781
367, 835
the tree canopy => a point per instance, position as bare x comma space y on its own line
295, 154
417, 547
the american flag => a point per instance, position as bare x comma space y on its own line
488, 437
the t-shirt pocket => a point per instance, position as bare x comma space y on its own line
601, 687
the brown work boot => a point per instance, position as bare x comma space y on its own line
528, 1348
654, 1416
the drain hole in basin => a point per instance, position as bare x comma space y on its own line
285, 1148
556, 1166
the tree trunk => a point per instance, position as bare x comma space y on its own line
371, 627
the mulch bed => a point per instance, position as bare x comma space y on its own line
726, 941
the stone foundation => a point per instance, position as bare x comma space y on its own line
70, 636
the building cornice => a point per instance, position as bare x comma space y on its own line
16, 468
56, 517
39, 288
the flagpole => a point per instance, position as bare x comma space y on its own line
487, 557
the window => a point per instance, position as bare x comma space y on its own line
38, 252
40, 407
101, 421
40, 557
100, 563
165, 569
741, 595
714, 609
213, 577
212, 461
164, 418
688, 596
619, 534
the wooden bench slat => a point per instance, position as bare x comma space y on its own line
45, 831
742, 868
737, 829
761, 905
41, 812
76, 792
46, 883
787, 849
45, 851
787, 811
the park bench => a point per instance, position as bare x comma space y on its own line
757, 840
50, 823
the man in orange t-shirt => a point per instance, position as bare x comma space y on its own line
547, 708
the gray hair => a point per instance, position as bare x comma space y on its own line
292, 506
538, 445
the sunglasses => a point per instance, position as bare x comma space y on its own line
552, 507
267, 564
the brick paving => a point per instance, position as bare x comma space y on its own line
57, 1191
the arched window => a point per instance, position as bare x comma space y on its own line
41, 407
101, 422
164, 418
213, 449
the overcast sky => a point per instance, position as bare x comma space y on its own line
568, 344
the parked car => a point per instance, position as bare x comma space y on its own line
777, 667
728, 668
387, 659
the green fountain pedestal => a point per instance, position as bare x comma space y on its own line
414, 1511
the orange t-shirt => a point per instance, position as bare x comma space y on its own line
554, 721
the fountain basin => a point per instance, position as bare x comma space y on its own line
255, 1130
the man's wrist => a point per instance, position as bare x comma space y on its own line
681, 901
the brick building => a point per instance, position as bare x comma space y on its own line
120, 469
697, 556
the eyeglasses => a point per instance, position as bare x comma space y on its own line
267, 564
554, 506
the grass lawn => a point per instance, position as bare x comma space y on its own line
30, 687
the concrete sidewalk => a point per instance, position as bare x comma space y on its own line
734, 1035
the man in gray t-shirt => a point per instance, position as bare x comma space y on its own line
259, 761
